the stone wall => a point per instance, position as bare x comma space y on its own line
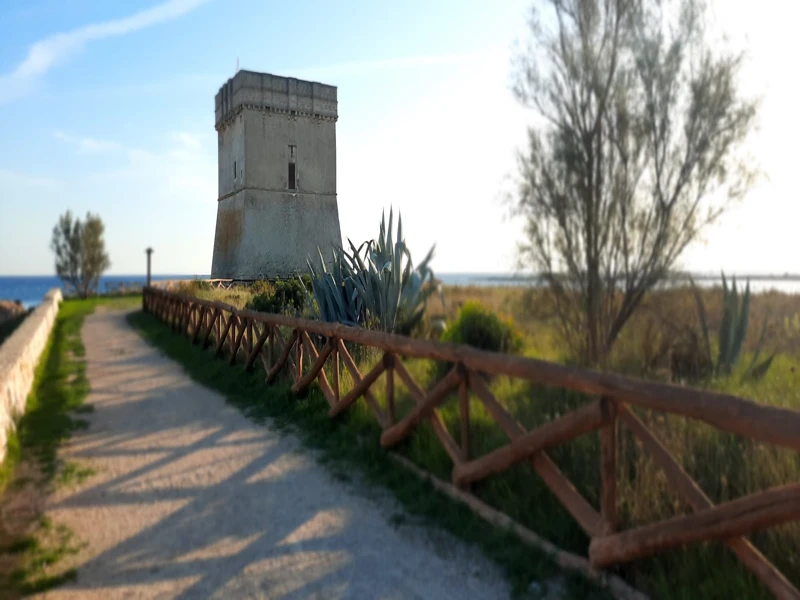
19, 356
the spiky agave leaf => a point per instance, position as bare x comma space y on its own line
701, 311
743, 321
761, 369
762, 336
375, 283
728, 315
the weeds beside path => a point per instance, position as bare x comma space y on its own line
31, 546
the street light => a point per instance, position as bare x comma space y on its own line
149, 252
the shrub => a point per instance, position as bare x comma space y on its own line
479, 327
279, 297
261, 287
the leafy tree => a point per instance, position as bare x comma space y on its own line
80, 251
634, 151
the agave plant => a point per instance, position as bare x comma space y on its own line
332, 291
733, 331
376, 283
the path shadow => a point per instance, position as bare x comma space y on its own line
193, 500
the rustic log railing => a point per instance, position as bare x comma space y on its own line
257, 337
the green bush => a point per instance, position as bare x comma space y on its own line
279, 297
477, 326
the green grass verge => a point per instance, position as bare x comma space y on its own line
37, 554
353, 439
58, 391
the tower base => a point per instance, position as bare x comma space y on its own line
267, 235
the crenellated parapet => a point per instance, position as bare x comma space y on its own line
274, 94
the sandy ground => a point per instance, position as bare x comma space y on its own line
192, 500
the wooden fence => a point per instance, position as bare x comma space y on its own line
260, 338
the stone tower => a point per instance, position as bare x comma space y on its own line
277, 176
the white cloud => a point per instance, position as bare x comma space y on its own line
188, 140
87, 145
184, 169
49, 52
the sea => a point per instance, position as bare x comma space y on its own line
31, 289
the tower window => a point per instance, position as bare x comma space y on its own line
234, 170
292, 167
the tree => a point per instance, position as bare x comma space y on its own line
636, 148
80, 251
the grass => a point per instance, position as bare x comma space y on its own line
73, 473
724, 465
237, 296
38, 554
353, 440
58, 391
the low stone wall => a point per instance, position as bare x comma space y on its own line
19, 356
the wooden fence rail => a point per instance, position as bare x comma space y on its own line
258, 338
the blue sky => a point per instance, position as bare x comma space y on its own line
108, 107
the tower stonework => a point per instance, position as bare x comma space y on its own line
277, 175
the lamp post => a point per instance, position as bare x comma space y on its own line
149, 252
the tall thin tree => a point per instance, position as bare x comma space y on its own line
636, 149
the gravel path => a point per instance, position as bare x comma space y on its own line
192, 500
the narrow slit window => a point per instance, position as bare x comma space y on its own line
292, 168
234, 170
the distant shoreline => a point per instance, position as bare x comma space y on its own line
676, 276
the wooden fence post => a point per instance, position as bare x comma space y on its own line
463, 405
388, 361
299, 357
608, 465
335, 370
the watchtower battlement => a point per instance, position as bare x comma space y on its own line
273, 93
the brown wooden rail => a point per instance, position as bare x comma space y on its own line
258, 337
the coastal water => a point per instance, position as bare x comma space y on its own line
30, 289
758, 283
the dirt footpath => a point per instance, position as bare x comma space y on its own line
192, 500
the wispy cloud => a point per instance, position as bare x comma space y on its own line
188, 140
183, 168
86, 145
49, 52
